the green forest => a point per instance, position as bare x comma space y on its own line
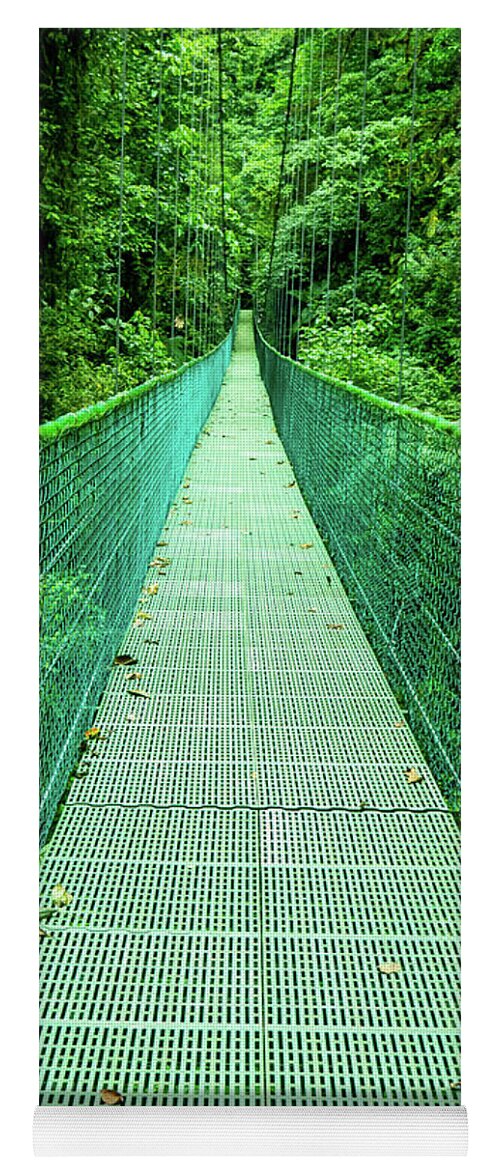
314, 172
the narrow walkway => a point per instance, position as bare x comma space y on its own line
243, 845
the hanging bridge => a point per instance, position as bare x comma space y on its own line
249, 741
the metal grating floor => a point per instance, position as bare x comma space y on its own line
243, 846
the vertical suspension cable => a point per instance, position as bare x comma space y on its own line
198, 199
157, 204
120, 220
282, 166
304, 191
222, 179
408, 215
334, 175
316, 177
300, 123
285, 323
176, 205
190, 202
358, 213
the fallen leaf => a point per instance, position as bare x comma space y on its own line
298, 572
92, 733
138, 622
399, 724
43, 934
112, 1097
152, 641
456, 1085
142, 614
160, 543
60, 896
132, 717
328, 580
123, 661
335, 626
152, 589
268, 441
291, 485
280, 461
412, 775
312, 611
389, 968
186, 522
187, 484
137, 691
134, 675
160, 561
307, 545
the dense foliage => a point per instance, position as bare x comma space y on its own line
131, 200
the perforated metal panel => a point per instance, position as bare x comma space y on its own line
242, 844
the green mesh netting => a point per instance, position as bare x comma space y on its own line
383, 485
107, 478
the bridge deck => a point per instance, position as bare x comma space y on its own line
242, 844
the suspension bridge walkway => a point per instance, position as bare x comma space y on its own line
257, 872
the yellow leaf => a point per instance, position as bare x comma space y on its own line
308, 545
389, 968
134, 675
412, 775
152, 589
142, 614
137, 691
92, 733
61, 897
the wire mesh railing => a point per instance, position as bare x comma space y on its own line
382, 482
108, 475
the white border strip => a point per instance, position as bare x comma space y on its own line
248, 1130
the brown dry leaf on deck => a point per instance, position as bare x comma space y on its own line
412, 775
123, 661
186, 522
43, 934
389, 968
292, 485
159, 543
60, 896
143, 615
112, 1097
335, 626
137, 691
160, 561
399, 724
307, 545
152, 589
134, 675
